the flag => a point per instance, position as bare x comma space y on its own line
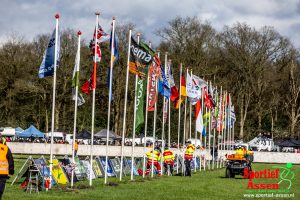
153, 75
199, 119
47, 65
193, 90
115, 57
170, 79
141, 55
182, 95
89, 84
209, 101
220, 115
75, 83
102, 36
140, 103
163, 86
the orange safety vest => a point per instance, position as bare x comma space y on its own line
189, 152
168, 156
3, 160
156, 156
76, 146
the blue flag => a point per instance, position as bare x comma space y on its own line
47, 66
163, 86
115, 58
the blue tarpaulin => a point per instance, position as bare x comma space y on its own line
31, 132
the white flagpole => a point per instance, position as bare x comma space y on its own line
53, 97
184, 126
76, 102
224, 123
204, 158
214, 140
94, 94
110, 93
154, 127
146, 121
163, 119
209, 131
169, 112
125, 106
134, 117
179, 109
219, 146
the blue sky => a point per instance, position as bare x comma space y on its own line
30, 18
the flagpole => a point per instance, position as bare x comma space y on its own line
110, 93
94, 95
184, 126
76, 103
209, 130
53, 96
169, 112
179, 109
134, 117
196, 143
154, 126
146, 122
224, 123
190, 116
219, 130
214, 139
125, 105
164, 110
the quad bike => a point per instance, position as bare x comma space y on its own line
236, 165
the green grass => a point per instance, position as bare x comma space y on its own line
202, 185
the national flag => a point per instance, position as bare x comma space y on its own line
163, 86
141, 55
102, 36
182, 95
199, 119
115, 57
220, 115
47, 65
89, 84
209, 102
170, 79
75, 83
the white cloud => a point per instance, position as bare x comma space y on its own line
33, 17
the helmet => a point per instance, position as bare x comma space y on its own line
189, 142
166, 147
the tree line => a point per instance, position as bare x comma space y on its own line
258, 67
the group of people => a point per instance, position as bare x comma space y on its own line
153, 157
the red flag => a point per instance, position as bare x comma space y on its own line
89, 84
154, 71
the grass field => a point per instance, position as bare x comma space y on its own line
202, 185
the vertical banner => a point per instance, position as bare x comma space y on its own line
140, 102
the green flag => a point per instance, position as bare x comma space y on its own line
140, 103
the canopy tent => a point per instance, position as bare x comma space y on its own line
84, 134
103, 134
290, 143
31, 132
19, 130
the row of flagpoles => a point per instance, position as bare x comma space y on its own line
150, 75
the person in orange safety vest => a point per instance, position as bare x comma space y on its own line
6, 165
155, 155
168, 159
188, 157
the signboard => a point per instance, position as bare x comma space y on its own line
79, 169
135, 172
58, 172
43, 168
110, 171
115, 162
97, 169
87, 167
